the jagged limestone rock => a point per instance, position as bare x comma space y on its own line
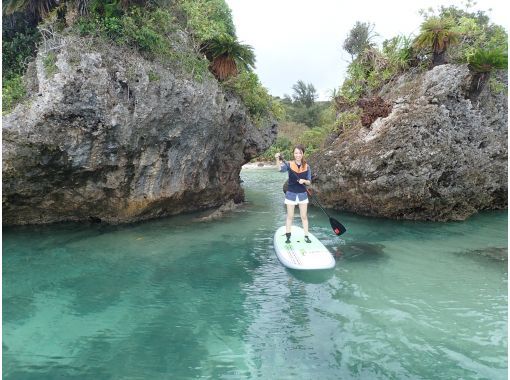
114, 137
436, 156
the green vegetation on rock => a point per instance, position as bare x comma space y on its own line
254, 96
228, 56
50, 64
437, 34
484, 61
19, 39
207, 19
188, 34
448, 35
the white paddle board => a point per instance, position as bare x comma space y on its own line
299, 254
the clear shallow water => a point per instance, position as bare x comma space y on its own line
180, 299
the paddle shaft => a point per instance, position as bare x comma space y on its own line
314, 199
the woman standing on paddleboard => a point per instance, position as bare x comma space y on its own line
299, 176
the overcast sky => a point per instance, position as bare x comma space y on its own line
302, 39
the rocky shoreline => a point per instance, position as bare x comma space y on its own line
84, 149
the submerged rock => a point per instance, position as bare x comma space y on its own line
116, 138
436, 156
495, 253
218, 213
361, 251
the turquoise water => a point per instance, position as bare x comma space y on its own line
180, 299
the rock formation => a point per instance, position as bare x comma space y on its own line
114, 137
436, 156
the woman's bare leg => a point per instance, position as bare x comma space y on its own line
303, 211
290, 216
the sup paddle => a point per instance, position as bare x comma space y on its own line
337, 227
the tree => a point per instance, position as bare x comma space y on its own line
287, 99
227, 56
359, 38
481, 64
304, 93
437, 33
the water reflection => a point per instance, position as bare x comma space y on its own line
312, 276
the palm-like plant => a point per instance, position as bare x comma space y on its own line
484, 61
304, 93
227, 56
438, 34
481, 64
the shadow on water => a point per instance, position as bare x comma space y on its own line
360, 252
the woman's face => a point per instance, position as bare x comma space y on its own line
298, 155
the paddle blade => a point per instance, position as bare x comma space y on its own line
338, 228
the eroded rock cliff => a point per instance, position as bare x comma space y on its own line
436, 156
107, 135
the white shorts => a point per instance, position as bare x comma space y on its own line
295, 199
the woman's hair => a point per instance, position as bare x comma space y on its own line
302, 149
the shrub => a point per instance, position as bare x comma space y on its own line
19, 40
355, 85
348, 120
475, 30
314, 138
147, 30
306, 115
484, 61
277, 109
291, 131
254, 96
282, 145
497, 87
50, 64
13, 90
399, 52
373, 108
17, 50
208, 18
